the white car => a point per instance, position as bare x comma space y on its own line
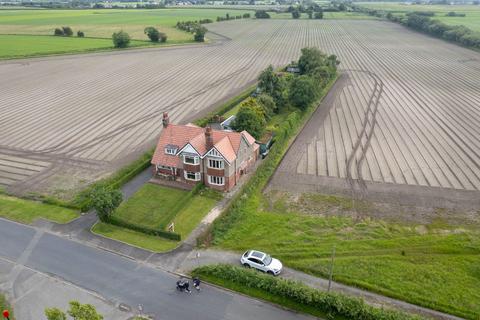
261, 261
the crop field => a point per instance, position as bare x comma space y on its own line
412, 100
95, 24
471, 20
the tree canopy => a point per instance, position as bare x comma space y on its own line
302, 91
121, 39
105, 200
250, 117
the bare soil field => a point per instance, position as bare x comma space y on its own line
407, 113
401, 124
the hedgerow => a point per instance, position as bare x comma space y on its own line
333, 305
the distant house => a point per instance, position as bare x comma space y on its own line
190, 155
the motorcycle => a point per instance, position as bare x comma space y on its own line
183, 285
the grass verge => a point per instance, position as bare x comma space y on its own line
295, 295
27, 211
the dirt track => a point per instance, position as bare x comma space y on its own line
408, 114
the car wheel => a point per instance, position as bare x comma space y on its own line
271, 273
246, 265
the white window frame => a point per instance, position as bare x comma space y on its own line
196, 160
221, 163
170, 151
197, 175
212, 178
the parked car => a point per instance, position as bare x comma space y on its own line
261, 261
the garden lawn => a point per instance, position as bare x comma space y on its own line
156, 206
27, 211
436, 266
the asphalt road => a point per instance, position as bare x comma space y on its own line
122, 280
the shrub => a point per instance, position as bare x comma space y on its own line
163, 37
200, 34
246, 15
80, 34
262, 14
318, 15
296, 14
58, 32
121, 39
152, 33
334, 305
67, 31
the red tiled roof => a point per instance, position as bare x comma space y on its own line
226, 142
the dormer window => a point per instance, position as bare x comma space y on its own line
171, 149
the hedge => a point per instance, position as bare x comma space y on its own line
333, 305
150, 231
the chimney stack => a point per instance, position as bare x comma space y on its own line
209, 137
165, 120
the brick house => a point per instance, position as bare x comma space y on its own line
190, 154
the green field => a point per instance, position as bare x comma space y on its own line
95, 24
436, 265
471, 20
156, 206
27, 211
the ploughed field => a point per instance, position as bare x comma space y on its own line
413, 101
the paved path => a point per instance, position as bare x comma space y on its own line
119, 279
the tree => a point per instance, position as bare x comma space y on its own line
312, 58
268, 105
199, 35
80, 34
121, 39
67, 31
310, 13
58, 32
152, 33
302, 92
296, 14
227, 16
55, 314
251, 118
77, 311
273, 85
105, 200
318, 15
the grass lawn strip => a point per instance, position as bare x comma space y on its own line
27, 211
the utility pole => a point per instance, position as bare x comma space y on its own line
331, 270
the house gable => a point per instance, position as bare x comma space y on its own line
188, 148
215, 154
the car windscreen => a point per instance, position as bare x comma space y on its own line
267, 260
